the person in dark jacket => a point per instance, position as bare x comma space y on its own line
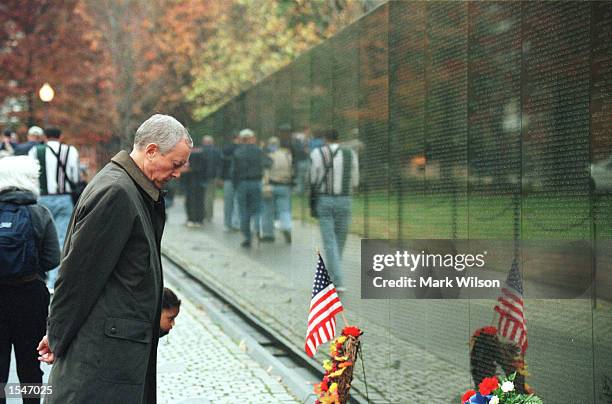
24, 298
213, 165
103, 326
231, 221
35, 137
194, 187
249, 164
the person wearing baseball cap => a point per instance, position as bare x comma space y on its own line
35, 137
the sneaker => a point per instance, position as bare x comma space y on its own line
287, 235
246, 244
267, 239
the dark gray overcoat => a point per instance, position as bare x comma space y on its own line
104, 319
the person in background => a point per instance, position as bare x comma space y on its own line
213, 165
28, 248
249, 164
278, 203
35, 137
171, 307
334, 174
301, 160
231, 220
7, 147
59, 164
193, 186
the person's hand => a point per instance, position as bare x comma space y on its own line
45, 352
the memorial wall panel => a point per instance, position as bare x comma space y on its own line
373, 124
217, 119
321, 100
445, 120
267, 109
414, 323
556, 120
494, 120
300, 93
475, 120
252, 107
556, 202
345, 47
282, 104
601, 172
407, 113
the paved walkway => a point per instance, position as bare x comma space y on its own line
415, 350
199, 364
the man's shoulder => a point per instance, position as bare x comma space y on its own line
112, 180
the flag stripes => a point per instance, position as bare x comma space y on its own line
324, 305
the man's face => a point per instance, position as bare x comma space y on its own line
166, 322
161, 168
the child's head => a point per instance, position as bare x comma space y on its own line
171, 305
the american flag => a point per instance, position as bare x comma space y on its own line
324, 306
510, 308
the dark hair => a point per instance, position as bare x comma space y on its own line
170, 300
7, 132
331, 134
53, 133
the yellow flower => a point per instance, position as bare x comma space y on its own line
327, 365
337, 373
341, 358
333, 388
341, 340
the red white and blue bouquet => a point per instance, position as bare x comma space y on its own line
498, 390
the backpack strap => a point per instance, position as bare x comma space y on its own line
41, 155
62, 164
327, 166
347, 165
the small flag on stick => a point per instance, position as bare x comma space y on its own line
512, 324
324, 305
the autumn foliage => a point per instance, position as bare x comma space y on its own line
114, 63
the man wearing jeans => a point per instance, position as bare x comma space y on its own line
249, 163
334, 173
231, 221
278, 204
57, 161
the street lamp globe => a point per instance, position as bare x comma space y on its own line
46, 93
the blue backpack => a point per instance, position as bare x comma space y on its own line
18, 252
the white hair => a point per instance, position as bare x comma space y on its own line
164, 131
20, 172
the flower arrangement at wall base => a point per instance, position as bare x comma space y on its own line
498, 390
488, 352
336, 383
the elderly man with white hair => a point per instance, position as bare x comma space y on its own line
103, 324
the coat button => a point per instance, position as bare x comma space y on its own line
113, 330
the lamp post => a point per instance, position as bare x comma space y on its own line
46, 95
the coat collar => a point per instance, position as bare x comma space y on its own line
123, 160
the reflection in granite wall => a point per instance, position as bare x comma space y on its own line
373, 123
251, 108
321, 99
472, 120
300, 93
